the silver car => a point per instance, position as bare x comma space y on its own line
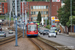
52, 33
2, 34
10, 32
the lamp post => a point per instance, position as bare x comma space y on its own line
71, 13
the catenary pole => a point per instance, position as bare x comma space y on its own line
50, 13
16, 23
23, 15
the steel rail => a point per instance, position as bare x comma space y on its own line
9, 39
40, 48
48, 44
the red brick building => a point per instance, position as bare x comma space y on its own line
44, 8
3, 8
25, 7
36, 6
55, 7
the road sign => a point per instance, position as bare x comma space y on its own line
53, 18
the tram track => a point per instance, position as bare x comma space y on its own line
9, 39
41, 44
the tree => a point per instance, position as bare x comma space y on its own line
39, 17
69, 22
64, 12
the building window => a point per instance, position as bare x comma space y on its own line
41, 7
46, 12
41, 12
34, 7
53, 0
36, 12
2, 4
46, 7
34, 18
31, 13
2, 9
31, 7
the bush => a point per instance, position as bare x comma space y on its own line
48, 26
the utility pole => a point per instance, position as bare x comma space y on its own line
50, 13
16, 23
9, 18
71, 13
23, 16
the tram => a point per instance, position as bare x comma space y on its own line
32, 29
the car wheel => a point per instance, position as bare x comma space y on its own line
55, 36
43, 34
49, 36
56, 33
5, 36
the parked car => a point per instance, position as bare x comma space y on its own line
41, 31
45, 32
52, 33
10, 32
2, 34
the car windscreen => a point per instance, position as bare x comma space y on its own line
52, 31
32, 27
53, 28
1, 32
46, 30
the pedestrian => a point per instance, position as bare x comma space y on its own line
59, 31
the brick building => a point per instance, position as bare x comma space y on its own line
35, 7
44, 8
3, 8
24, 6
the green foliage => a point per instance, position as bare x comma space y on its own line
47, 22
39, 17
64, 12
69, 22
36, 0
48, 26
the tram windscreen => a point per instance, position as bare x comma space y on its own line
31, 27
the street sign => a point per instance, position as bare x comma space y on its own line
53, 18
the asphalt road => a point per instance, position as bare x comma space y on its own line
62, 39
